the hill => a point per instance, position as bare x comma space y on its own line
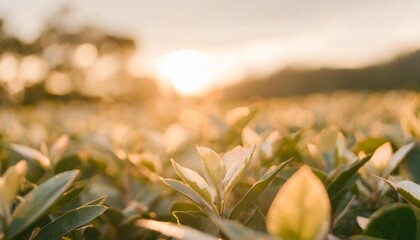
402, 72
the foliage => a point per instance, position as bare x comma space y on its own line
207, 175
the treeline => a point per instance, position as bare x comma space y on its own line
61, 64
400, 73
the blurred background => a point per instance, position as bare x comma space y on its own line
107, 50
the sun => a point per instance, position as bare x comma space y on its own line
188, 71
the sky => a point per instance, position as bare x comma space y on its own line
226, 40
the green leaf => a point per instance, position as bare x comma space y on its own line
187, 218
67, 163
379, 160
196, 220
236, 231
196, 182
188, 192
37, 202
114, 216
411, 164
236, 161
173, 230
255, 191
31, 153
256, 221
408, 189
369, 145
336, 200
239, 117
336, 185
397, 158
301, 209
393, 222
70, 221
77, 188
58, 148
183, 206
214, 169
99, 201
9, 185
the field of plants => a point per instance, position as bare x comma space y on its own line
337, 166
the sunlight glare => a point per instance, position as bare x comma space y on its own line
188, 71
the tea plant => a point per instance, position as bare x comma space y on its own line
319, 167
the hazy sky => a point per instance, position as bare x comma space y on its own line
239, 35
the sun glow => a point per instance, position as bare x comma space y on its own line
188, 71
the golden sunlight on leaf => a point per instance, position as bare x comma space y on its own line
32, 153
362, 221
250, 137
408, 189
236, 162
301, 209
12, 177
173, 230
9, 185
59, 147
195, 181
236, 114
214, 169
380, 159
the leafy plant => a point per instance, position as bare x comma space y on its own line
36, 204
210, 193
353, 174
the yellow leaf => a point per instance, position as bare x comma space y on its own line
12, 178
9, 185
380, 159
301, 209
214, 169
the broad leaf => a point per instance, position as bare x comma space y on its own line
183, 206
196, 182
236, 231
196, 220
336, 185
174, 230
250, 137
31, 153
236, 162
37, 202
76, 189
69, 221
255, 191
98, 201
12, 178
408, 189
256, 220
239, 117
214, 169
58, 148
188, 192
393, 222
397, 158
301, 209
380, 159
362, 221
270, 145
